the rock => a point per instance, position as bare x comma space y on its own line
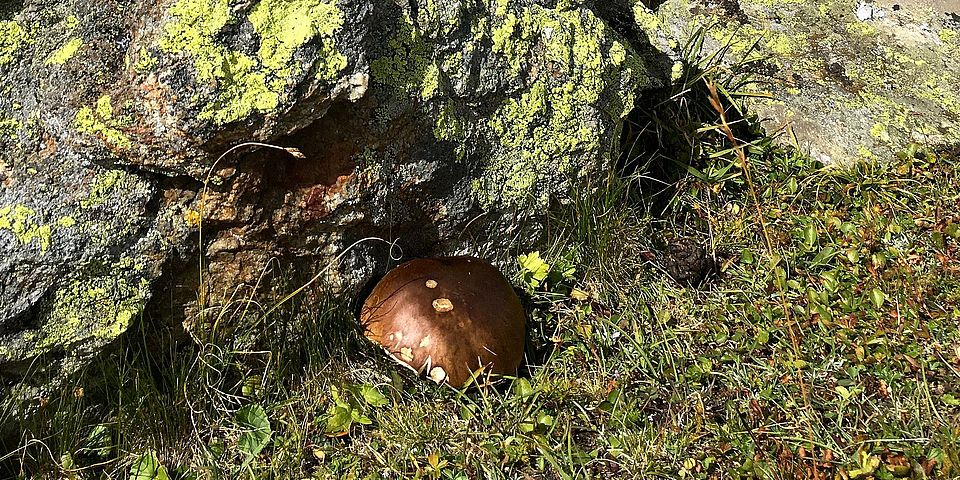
850, 80
447, 127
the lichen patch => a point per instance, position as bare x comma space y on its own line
25, 226
64, 53
101, 122
12, 38
253, 84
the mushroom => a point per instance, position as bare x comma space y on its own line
447, 317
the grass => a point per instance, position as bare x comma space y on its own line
822, 341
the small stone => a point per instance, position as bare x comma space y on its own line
431, 284
425, 342
406, 354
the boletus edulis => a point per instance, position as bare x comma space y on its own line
448, 318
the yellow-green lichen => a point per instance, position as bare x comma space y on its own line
564, 76
245, 92
431, 81
948, 35
513, 49
193, 31
71, 22
879, 131
101, 122
540, 130
9, 127
102, 187
96, 306
145, 61
449, 125
22, 222
405, 68
285, 25
645, 18
12, 37
861, 28
246, 85
64, 53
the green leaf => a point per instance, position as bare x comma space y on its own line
867, 465
824, 256
877, 297
66, 461
253, 419
545, 419
372, 396
357, 417
844, 392
523, 388
533, 269
810, 236
792, 186
952, 229
147, 467
339, 419
950, 399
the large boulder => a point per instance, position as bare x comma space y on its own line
443, 126
848, 80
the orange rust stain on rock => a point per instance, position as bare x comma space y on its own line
317, 201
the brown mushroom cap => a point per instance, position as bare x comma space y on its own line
447, 317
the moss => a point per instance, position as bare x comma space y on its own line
64, 53
12, 37
101, 122
96, 306
21, 221
247, 85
